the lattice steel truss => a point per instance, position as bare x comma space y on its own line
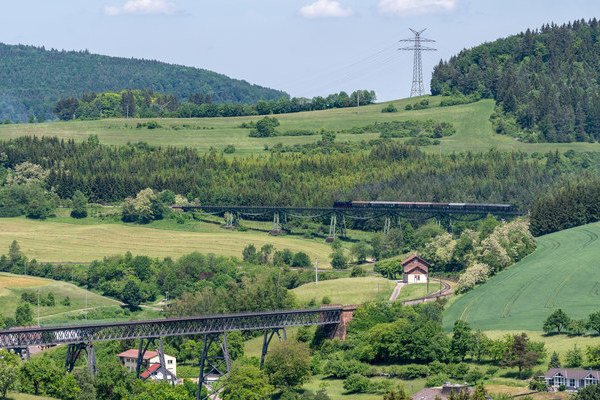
23, 337
417, 88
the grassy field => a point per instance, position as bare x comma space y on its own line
52, 241
416, 291
346, 290
562, 273
474, 130
23, 396
12, 286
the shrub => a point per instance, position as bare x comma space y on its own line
436, 380
326, 300
358, 271
411, 371
229, 149
301, 260
389, 109
477, 273
356, 383
339, 368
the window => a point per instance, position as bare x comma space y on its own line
572, 382
170, 362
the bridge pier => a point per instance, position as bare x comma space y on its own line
215, 364
334, 229
74, 351
387, 225
267, 340
142, 351
229, 220
276, 228
22, 352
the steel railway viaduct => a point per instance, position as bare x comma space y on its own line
361, 211
80, 339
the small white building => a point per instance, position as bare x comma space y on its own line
573, 379
129, 360
415, 270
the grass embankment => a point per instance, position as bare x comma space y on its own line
562, 273
23, 396
417, 290
474, 130
50, 241
12, 286
346, 290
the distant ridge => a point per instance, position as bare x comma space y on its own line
32, 79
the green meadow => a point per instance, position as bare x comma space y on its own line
564, 272
474, 130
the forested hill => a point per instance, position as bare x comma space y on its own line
33, 79
546, 82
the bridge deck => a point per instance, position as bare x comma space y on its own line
48, 336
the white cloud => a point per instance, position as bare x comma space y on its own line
142, 7
325, 9
414, 7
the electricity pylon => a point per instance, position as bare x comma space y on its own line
417, 84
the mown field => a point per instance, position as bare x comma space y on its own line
474, 130
52, 241
564, 272
346, 290
12, 286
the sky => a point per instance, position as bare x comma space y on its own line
305, 47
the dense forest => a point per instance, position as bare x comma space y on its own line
149, 104
33, 79
389, 171
544, 81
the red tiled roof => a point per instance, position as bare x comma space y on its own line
150, 371
132, 353
409, 259
153, 369
414, 268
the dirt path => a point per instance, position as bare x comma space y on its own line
397, 289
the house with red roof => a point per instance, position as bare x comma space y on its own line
151, 364
415, 270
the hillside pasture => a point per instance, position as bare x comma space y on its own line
474, 130
12, 286
49, 241
564, 272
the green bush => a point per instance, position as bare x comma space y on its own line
339, 368
229, 149
389, 109
436, 380
357, 383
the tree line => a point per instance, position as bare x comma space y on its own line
150, 104
544, 81
389, 171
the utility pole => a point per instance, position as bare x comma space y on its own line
417, 84
86, 290
38, 293
316, 271
357, 101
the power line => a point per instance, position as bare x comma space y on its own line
417, 84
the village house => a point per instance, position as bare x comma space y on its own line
150, 365
573, 379
415, 270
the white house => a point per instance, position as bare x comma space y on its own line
129, 360
415, 270
573, 379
